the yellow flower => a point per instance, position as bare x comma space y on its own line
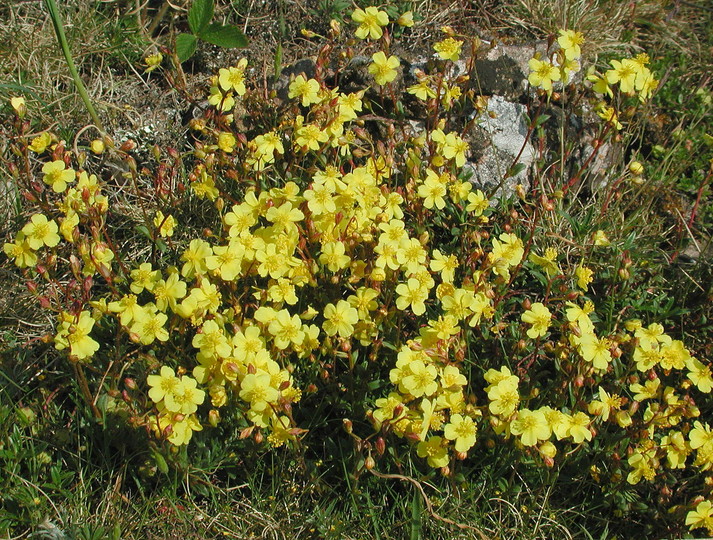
412, 294
74, 332
153, 61
504, 397
595, 350
233, 78
212, 341
411, 256
21, 251
149, 325
226, 261
539, 317
41, 232
577, 427
162, 384
445, 264
164, 224
340, 319
530, 426
221, 99
383, 69
477, 203
548, 263
310, 137
462, 430
57, 176
600, 238
257, 390
97, 146
584, 276
570, 42
168, 292
624, 73
435, 452
306, 90
677, 449
605, 404
422, 90
542, 74
701, 437
509, 248
448, 49
286, 329
333, 256
226, 142
144, 277
370, 22
455, 148
18, 103
433, 190
185, 397
701, 517
128, 309
40, 143
406, 19
700, 375
610, 115
648, 390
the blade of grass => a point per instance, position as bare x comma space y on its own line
51, 6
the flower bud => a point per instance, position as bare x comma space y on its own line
636, 168
97, 146
130, 383
258, 437
369, 463
380, 446
18, 103
127, 146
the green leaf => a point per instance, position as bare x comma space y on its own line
229, 37
278, 60
516, 169
160, 462
161, 245
416, 531
185, 46
141, 229
199, 15
541, 119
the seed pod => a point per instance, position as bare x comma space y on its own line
380, 446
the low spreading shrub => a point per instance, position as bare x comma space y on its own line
315, 259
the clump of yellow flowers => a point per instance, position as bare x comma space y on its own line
330, 247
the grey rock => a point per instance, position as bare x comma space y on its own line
496, 140
503, 70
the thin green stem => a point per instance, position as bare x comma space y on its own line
64, 45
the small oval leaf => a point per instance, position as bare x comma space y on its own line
199, 15
229, 37
185, 46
